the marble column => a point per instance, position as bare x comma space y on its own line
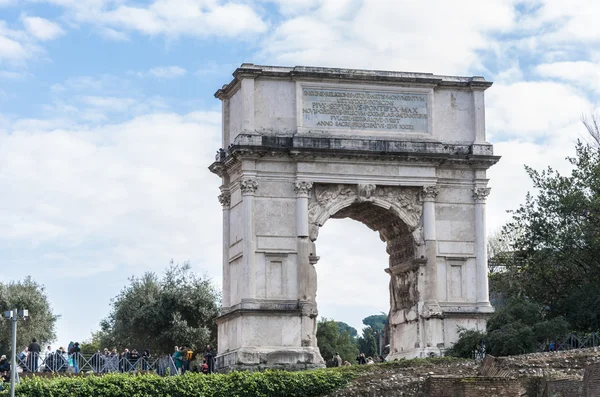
479, 196
302, 189
429, 195
248, 187
225, 200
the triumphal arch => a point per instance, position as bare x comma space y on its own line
403, 153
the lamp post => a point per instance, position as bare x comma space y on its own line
14, 316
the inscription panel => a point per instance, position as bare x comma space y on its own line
364, 109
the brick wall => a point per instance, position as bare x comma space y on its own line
473, 387
563, 388
591, 380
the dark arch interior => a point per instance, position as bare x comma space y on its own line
392, 229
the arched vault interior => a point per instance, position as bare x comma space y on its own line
392, 230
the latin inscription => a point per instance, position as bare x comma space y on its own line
364, 110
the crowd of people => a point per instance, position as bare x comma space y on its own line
71, 360
183, 357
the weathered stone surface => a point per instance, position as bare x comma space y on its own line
402, 153
556, 374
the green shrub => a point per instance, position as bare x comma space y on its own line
235, 384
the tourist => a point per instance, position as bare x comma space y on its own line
361, 359
124, 361
4, 369
134, 356
146, 360
337, 360
347, 364
45, 354
74, 356
61, 360
34, 355
210, 360
188, 356
177, 359
22, 359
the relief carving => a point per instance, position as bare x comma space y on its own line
430, 192
249, 186
480, 194
404, 201
225, 200
303, 187
365, 192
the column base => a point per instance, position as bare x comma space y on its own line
262, 358
485, 307
423, 352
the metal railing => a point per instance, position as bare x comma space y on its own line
57, 362
571, 341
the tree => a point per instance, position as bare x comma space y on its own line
558, 241
345, 327
331, 339
518, 327
26, 294
178, 309
372, 335
368, 342
376, 321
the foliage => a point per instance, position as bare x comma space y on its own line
469, 340
376, 321
240, 384
368, 342
331, 339
558, 241
516, 328
345, 327
159, 314
26, 294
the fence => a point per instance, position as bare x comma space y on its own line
571, 341
57, 362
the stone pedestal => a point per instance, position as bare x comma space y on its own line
403, 153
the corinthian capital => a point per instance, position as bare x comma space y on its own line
225, 199
249, 186
430, 192
480, 194
303, 187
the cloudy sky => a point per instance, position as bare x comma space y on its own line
108, 123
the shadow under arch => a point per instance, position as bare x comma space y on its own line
393, 211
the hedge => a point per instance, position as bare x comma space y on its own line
235, 384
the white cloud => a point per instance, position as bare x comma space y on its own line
171, 18
113, 35
109, 103
530, 110
11, 49
133, 183
41, 28
585, 74
434, 36
164, 72
12, 75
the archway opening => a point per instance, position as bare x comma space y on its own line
352, 279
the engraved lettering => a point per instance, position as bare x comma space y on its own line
364, 110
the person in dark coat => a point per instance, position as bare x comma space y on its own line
361, 359
4, 369
210, 359
34, 355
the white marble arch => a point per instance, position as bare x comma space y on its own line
403, 153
